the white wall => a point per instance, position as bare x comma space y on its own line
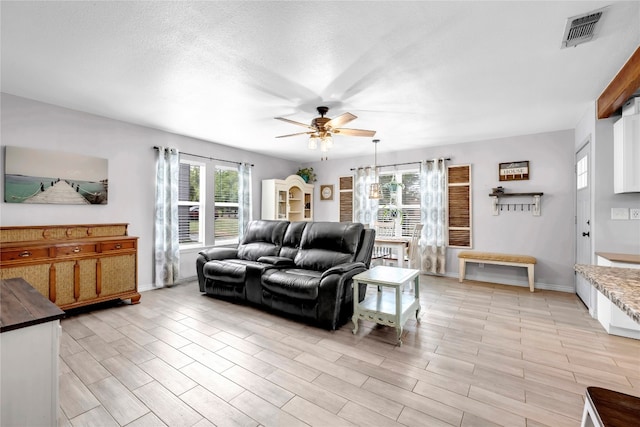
128, 149
608, 235
549, 237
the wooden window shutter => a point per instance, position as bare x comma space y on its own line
459, 205
346, 198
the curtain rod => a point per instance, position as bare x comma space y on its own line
401, 164
209, 158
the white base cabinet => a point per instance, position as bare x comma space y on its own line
29, 375
287, 199
612, 319
29, 349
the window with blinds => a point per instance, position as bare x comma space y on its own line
459, 205
207, 204
226, 205
191, 176
404, 203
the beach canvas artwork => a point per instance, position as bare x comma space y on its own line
44, 176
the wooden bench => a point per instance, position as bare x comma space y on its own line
497, 258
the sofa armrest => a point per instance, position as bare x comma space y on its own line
336, 289
278, 261
343, 268
219, 253
210, 254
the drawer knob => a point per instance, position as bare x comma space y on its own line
76, 250
25, 254
118, 246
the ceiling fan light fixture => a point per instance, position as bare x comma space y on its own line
328, 141
313, 142
321, 129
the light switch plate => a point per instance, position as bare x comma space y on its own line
619, 213
634, 213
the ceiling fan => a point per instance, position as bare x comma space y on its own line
322, 128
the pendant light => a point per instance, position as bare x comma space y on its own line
375, 190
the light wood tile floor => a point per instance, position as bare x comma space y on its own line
483, 355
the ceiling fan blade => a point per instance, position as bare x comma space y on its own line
354, 132
340, 120
295, 123
295, 134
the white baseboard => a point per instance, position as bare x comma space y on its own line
145, 288
150, 287
522, 283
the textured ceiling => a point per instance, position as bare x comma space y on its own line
419, 73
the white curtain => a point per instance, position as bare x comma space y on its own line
167, 243
244, 198
365, 209
433, 215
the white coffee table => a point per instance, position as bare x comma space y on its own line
387, 308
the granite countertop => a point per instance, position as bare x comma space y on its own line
620, 285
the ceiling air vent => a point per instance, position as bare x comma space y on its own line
581, 28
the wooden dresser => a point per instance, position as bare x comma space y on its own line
73, 265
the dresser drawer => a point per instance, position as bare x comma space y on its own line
76, 249
118, 245
24, 254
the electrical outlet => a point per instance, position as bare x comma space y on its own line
634, 213
619, 213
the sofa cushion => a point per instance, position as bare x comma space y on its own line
293, 283
262, 238
292, 238
325, 244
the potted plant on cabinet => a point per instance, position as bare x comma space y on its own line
307, 174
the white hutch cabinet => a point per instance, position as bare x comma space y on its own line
287, 199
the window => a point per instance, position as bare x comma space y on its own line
190, 188
403, 203
207, 217
226, 205
582, 170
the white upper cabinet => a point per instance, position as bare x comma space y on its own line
626, 154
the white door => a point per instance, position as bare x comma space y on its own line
583, 224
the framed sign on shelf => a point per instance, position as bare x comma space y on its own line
513, 171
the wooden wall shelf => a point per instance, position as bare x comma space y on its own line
534, 206
514, 194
